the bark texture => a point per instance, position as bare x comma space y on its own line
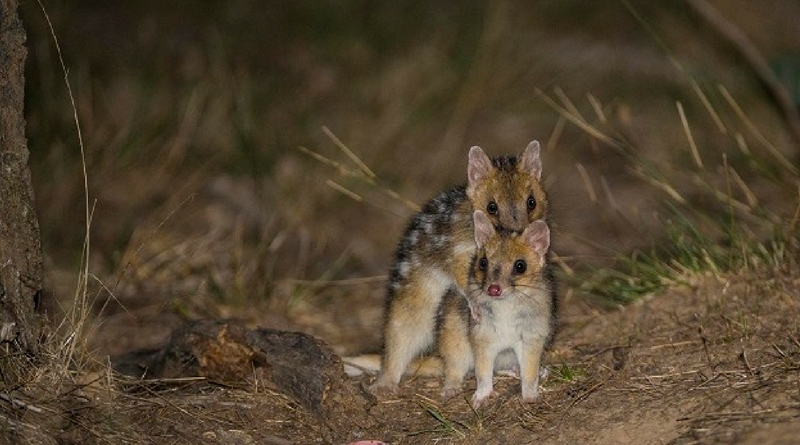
20, 245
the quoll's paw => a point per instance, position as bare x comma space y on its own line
450, 391
380, 388
475, 312
530, 393
479, 400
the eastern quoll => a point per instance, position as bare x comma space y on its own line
436, 251
509, 315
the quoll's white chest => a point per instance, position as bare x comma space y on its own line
514, 319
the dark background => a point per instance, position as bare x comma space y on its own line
192, 113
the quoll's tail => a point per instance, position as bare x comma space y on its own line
371, 364
362, 364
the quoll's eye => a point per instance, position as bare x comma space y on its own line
483, 263
520, 266
492, 208
531, 203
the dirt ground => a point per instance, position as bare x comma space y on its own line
717, 361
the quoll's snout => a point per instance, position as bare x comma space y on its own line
494, 290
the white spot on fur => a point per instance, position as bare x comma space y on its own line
403, 268
464, 247
427, 223
435, 282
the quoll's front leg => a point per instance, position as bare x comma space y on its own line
454, 345
530, 358
483, 391
484, 369
474, 311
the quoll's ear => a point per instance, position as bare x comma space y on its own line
531, 161
484, 230
479, 168
537, 235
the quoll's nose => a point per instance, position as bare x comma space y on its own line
494, 290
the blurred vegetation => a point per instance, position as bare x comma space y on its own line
192, 114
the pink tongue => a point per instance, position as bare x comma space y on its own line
494, 290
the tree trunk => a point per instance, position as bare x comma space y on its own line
20, 245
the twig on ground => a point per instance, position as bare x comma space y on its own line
20, 404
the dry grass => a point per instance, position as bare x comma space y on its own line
735, 228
